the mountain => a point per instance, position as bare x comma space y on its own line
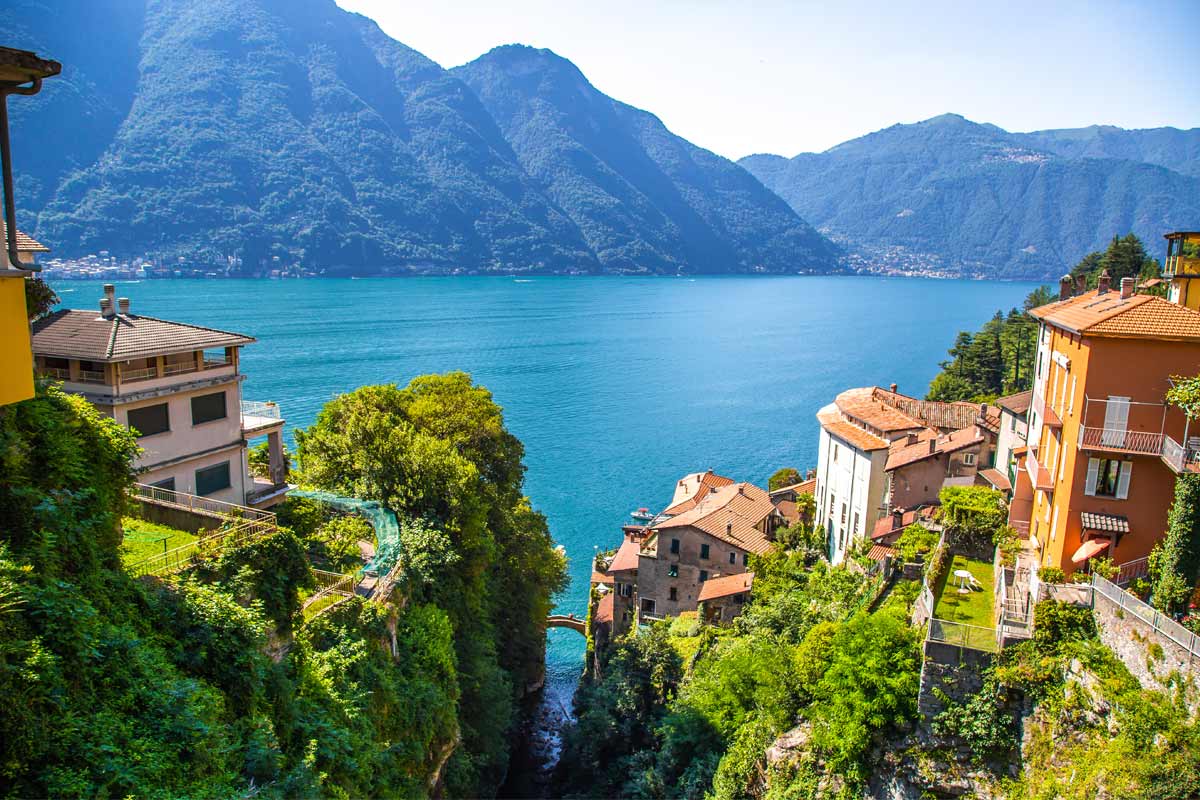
976, 199
643, 197
292, 128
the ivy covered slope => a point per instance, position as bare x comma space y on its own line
210, 684
292, 128
644, 198
986, 201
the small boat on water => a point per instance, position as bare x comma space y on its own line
642, 515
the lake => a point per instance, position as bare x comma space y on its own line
617, 386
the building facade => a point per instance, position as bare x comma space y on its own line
1098, 474
178, 386
1181, 269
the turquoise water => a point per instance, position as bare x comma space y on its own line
617, 386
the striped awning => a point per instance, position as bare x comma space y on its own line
1104, 523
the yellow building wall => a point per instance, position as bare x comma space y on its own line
16, 353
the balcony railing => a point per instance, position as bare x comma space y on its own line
1181, 457
251, 408
1047, 413
1121, 440
57, 373
219, 361
179, 368
1038, 475
91, 376
145, 373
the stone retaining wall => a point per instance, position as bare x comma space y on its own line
949, 670
1150, 655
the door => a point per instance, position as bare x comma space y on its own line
1116, 419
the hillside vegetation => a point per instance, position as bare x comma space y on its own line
212, 684
977, 200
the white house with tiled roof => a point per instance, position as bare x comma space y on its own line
178, 386
858, 432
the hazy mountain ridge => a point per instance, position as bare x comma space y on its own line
300, 130
986, 201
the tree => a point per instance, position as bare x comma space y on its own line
1175, 561
787, 476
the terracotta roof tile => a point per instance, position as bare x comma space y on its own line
25, 242
1140, 316
694, 487
997, 479
72, 333
863, 405
731, 514
725, 586
950, 443
879, 552
933, 413
604, 609
626, 557
1017, 403
600, 577
850, 434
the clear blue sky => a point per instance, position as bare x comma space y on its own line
781, 77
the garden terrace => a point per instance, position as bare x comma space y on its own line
964, 611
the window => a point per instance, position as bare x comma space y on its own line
208, 407
1107, 477
745, 559
704, 551
673, 593
1012, 423
166, 483
854, 530
835, 451
739, 598
673, 571
703, 575
647, 605
843, 513
969, 459
732, 557
149, 420
675, 546
626, 589
212, 479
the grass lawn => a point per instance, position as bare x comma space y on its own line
145, 539
320, 605
972, 608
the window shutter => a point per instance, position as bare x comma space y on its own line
1123, 480
1089, 488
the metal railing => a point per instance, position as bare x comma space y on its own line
91, 376
1161, 623
179, 368
1181, 457
218, 362
1130, 571
960, 634
329, 584
58, 373
205, 505
185, 555
141, 374
253, 408
1125, 441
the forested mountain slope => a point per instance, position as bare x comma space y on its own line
980, 200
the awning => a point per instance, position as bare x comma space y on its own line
1105, 523
1089, 549
997, 479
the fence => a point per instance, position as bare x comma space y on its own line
1162, 624
1130, 571
255, 408
239, 524
960, 634
332, 588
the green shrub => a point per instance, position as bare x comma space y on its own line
915, 540
1056, 624
1051, 575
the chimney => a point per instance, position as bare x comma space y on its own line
741, 488
910, 439
1104, 284
1126, 288
110, 292
893, 388
106, 308
123, 304
933, 445
1065, 286
983, 409
1080, 284
729, 528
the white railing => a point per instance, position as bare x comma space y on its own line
233, 534
191, 502
58, 373
139, 374
218, 362
1126, 441
1181, 457
1153, 617
179, 368
253, 408
91, 376
1130, 571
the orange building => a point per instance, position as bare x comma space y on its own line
1098, 476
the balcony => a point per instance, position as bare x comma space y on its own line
1118, 440
90, 376
143, 374
56, 373
259, 419
1046, 413
1038, 475
1181, 457
179, 368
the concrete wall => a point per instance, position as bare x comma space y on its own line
179, 518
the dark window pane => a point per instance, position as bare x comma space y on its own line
167, 483
208, 407
703, 575
212, 479
704, 551
674, 545
150, 420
